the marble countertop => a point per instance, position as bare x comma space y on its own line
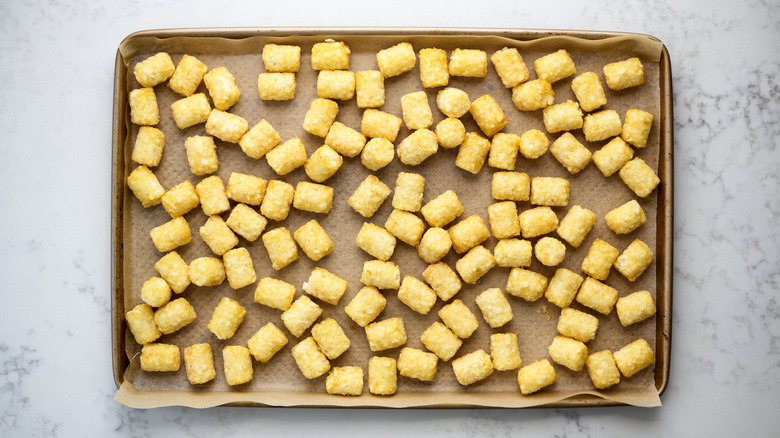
55, 136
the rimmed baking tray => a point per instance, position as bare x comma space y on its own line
225, 46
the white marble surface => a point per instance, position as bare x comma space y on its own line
56, 68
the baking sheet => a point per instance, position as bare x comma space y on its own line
279, 383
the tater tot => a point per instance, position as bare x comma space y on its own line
634, 260
266, 342
626, 218
416, 295
576, 225
563, 288
555, 66
274, 293
171, 234
525, 284
369, 196
572, 154
504, 351
577, 325
453, 102
222, 88
143, 107
469, 63
536, 376
416, 111
450, 133
634, 357
597, 296
376, 241
187, 75
180, 199
433, 68
476, 263
635, 308
443, 209
488, 114
345, 140
443, 280
378, 153
503, 151
417, 364
472, 367
472, 153
636, 127
564, 116
145, 186
315, 198
140, 321
434, 245
206, 271
246, 222
148, 146
277, 200
624, 74
276, 86
160, 358
237, 361
225, 126
259, 140
287, 157
537, 221
408, 194
191, 110
533, 95
396, 60
199, 362
639, 177
382, 375
239, 268
495, 307
366, 306
601, 125
313, 240
174, 270
174, 316
330, 55
217, 235
247, 189
325, 286
310, 359
380, 124
336, 84
533, 144
550, 191
599, 259
345, 381
510, 186
301, 315
589, 92
381, 274
417, 147
281, 247
279, 58
212, 194
510, 66
440, 340
386, 334
320, 116
468, 233
370, 89
154, 70
227, 316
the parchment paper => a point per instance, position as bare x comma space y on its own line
279, 382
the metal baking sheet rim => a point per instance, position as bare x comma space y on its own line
664, 255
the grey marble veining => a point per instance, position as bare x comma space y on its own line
57, 71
